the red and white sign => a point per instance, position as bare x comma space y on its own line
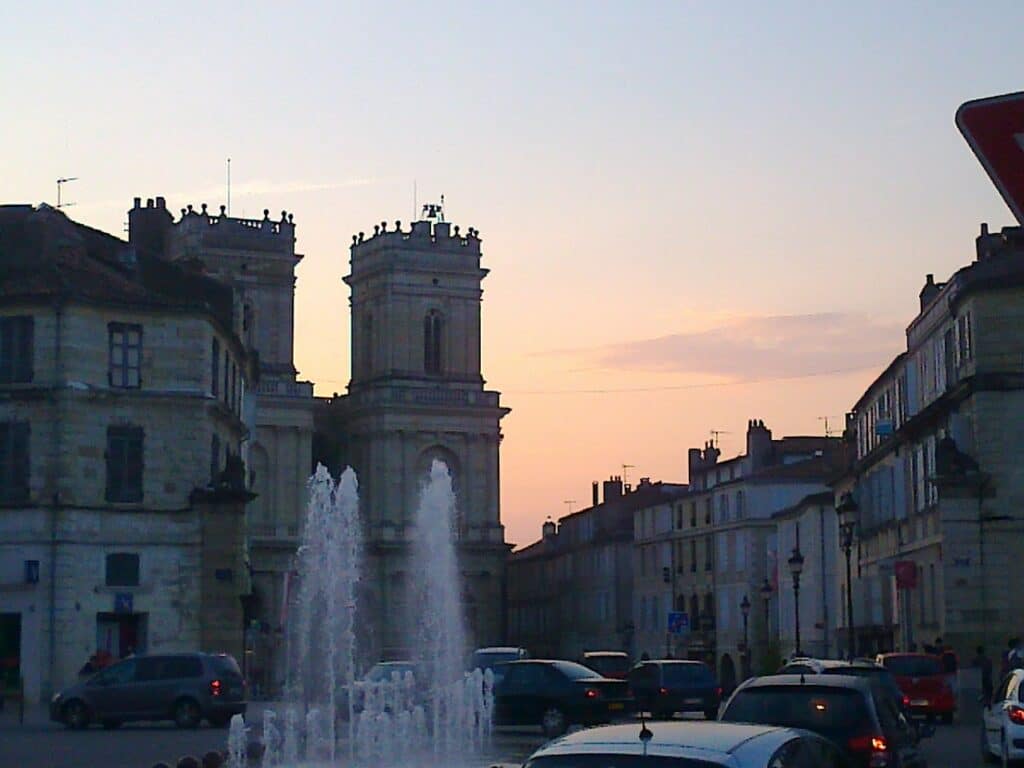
994, 128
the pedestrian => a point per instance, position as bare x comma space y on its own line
984, 663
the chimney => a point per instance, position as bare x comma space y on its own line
595, 498
612, 488
711, 454
148, 227
694, 462
759, 444
930, 291
548, 530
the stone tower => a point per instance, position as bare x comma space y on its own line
416, 394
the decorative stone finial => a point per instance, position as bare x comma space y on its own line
223, 210
383, 226
266, 214
456, 230
284, 216
203, 206
183, 213
361, 236
376, 230
398, 225
355, 239
190, 208
291, 218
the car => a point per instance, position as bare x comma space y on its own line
183, 687
1002, 721
689, 744
666, 686
850, 711
922, 678
383, 671
614, 664
555, 694
487, 658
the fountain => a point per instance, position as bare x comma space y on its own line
439, 716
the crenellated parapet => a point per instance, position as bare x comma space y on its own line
438, 236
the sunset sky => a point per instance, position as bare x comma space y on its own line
693, 216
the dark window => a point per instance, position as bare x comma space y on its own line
122, 569
16, 349
121, 673
693, 555
707, 511
179, 667
214, 458
14, 461
694, 611
125, 355
693, 514
707, 554
913, 666
432, 329
226, 374
687, 674
124, 464
215, 368
149, 668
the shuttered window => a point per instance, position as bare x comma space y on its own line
16, 349
125, 355
124, 464
14, 461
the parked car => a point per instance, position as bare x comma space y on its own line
183, 687
849, 711
614, 664
488, 658
1002, 721
689, 744
923, 680
557, 694
383, 671
666, 686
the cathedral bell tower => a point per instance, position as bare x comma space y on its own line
416, 394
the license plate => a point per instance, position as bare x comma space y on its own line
695, 701
919, 702
616, 705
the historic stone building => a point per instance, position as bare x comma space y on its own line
416, 394
123, 389
937, 481
256, 258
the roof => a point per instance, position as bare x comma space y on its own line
880, 379
812, 680
694, 739
45, 256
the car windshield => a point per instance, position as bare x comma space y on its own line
687, 674
831, 712
575, 671
913, 666
609, 666
226, 665
591, 760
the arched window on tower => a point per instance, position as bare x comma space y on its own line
433, 327
368, 345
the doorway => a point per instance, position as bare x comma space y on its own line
121, 634
10, 650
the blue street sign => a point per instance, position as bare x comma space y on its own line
122, 602
678, 622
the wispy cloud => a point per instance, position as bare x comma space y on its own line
779, 345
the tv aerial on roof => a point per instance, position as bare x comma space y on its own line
60, 183
434, 211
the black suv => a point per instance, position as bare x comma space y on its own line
851, 711
666, 686
183, 687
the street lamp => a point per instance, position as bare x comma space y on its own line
766, 595
846, 510
796, 567
745, 609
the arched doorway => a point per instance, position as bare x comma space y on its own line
727, 674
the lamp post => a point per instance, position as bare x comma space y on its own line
766, 595
745, 610
796, 567
846, 511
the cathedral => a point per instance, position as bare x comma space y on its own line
416, 394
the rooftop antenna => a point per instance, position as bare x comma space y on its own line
625, 473
61, 182
828, 431
569, 503
414, 206
714, 435
229, 187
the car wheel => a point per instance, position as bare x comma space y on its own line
76, 715
554, 722
186, 713
111, 724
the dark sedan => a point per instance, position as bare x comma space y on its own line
557, 694
666, 686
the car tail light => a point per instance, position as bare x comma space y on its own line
663, 691
867, 744
216, 688
718, 692
592, 693
906, 701
1016, 715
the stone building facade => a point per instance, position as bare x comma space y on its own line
937, 477
417, 394
256, 258
119, 528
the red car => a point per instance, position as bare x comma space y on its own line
923, 680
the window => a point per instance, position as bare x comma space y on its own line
693, 555
125, 355
723, 508
122, 570
739, 505
693, 514
679, 516
214, 458
215, 369
694, 612
368, 344
707, 554
14, 461
16, 349
432, 329
124, 464
707, 511
226, 374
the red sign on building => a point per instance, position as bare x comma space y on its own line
994, 129
906, 574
